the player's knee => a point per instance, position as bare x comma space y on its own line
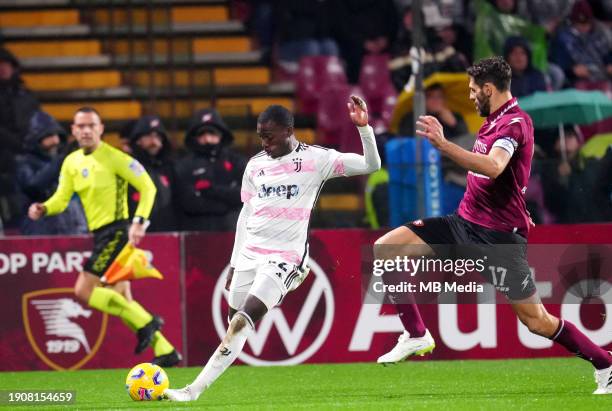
382, 250
82, 292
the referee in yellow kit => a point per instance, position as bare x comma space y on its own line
99, 174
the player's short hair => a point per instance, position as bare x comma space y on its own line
88, 109
493, 70
276, 114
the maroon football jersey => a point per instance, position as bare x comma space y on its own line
499, 203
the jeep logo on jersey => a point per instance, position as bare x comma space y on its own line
287, 191
302, 322
63, 333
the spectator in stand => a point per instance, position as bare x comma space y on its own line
567, 186
17, 105
305, 29
210, 176
262, 24
38, 172
400, 64
435, 105
443, 51
365, 27
149, 144
526, 79
547, 13
506, 6
583, 49
125, 134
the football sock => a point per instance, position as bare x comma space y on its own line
113, 303
137, 315
222, 358
411, 319
160, 345
576, 342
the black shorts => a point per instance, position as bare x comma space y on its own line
509, 272
109, 240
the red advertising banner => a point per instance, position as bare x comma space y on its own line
325, 319
43, 324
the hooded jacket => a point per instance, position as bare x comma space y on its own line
208, 177
161, 170
17, 104
37, 177
530, 80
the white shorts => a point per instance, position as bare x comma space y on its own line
269, 281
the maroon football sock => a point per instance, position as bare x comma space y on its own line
411, 319
576, 342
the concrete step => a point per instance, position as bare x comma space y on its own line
142, 93
72, 80
109, 110
26, 49
37, 18
76, 31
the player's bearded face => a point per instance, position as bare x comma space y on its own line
480, 99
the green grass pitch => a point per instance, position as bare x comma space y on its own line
539, 384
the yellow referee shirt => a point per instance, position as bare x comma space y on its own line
100, 179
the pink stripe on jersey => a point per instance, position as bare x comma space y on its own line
245, 196
338, 167
290, 256
306, 166
284, 213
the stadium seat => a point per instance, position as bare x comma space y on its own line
315, 74
333, 122
331, 71
375, 80
307, 85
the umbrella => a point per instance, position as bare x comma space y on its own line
457, 93
566, 106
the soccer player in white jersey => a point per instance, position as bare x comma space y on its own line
280, 187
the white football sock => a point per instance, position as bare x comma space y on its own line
222, 358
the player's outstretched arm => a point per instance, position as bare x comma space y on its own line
354, 164
491, 165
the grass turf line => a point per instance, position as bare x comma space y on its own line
538, 384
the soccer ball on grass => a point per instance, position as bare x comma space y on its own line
146, 382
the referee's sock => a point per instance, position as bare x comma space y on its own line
161, 346
113, 303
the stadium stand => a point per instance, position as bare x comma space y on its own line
169, 58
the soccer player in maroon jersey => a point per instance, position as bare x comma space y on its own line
492, 211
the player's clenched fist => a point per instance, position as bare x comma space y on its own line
36, 211
358, 111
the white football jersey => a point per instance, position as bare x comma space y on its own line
281, 193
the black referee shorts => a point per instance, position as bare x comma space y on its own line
507, 268
109, 240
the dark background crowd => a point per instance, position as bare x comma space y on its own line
550, 45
